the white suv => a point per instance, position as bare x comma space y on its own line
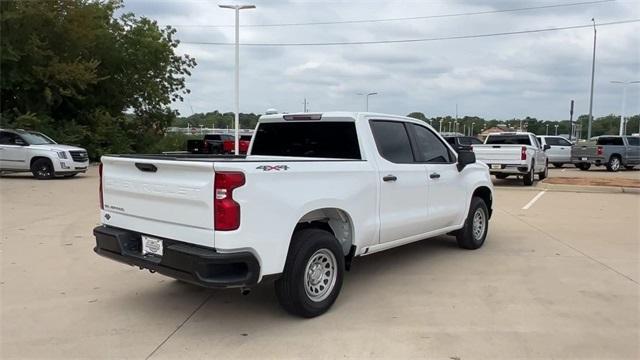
24, 151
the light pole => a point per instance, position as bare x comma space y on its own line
556, 125
366, 96
623, 126
471, 131
237, 8
593, 73
547, 130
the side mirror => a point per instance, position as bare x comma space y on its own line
546, 147
465, 157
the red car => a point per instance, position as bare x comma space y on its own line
228, 146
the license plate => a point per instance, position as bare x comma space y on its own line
151, 245
583, 158
496, 166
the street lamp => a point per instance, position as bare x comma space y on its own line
367, 98
237, 8
471, 131
623, 126
593, 73
556, 125
547, 130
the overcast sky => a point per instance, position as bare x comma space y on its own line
495, 77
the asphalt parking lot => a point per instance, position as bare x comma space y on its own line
559, 277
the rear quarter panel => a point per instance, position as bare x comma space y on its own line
277, 194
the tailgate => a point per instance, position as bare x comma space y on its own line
583, 151
498, 154
166, 198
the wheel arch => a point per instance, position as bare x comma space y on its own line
334, 220
38, 157
486, 195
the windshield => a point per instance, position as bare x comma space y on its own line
34, 138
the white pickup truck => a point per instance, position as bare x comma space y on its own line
314, 191
514, 153
30, 151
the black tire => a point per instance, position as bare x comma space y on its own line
614, 163
545, 173
558, 165
583, 166
466, 237
70, 175
529, 177
291, 288
42, 169
501, 176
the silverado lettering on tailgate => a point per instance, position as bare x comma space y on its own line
149, 188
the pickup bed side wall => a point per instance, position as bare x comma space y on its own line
273, 202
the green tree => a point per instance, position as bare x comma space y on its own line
89, 78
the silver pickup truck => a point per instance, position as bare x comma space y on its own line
611, 151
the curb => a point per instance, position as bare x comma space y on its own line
574, 188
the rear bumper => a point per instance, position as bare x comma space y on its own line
513, 169
598, 161
187, 262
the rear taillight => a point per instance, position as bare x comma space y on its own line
523, 153
100, 187
599, 150
226, 211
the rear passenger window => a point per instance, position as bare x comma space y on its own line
392, 141
610, 141
429, 147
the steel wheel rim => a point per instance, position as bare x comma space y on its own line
478, 224
320, 275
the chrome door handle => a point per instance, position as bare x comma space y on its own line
434, 175
390, 178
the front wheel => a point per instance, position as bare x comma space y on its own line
545, 173
42, 169
474, 232
313, 273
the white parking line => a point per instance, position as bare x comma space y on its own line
563, 170
535, 198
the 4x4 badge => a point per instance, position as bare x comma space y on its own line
272, 167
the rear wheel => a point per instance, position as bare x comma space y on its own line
529, 177
42, 169
558, 165
501, 176
614, 163
313, 273
583, 166
474, 232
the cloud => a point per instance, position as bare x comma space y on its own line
495, 77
